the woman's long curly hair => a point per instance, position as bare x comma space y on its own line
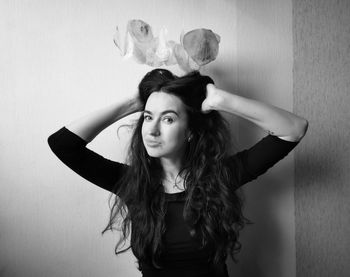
213, 209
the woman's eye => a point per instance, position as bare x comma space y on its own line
147, 118
168, 120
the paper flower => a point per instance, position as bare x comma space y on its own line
196, 48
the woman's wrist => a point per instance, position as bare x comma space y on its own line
210, 101
218, 99
127, 107
135, 105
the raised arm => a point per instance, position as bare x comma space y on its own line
276, 121
69, 144
90, 125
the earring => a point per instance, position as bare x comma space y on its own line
189, 138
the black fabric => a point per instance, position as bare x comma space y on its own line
182, 256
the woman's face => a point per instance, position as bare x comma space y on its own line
165, 127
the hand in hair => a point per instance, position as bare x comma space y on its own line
212, 99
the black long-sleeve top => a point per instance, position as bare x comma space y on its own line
182, 256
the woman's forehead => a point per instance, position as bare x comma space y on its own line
160, 101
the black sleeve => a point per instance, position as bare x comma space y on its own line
250, 163
72, 151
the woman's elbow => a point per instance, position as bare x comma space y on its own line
297, 130
301, 128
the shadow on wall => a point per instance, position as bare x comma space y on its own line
263, 243
316, 165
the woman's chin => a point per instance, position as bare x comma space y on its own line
154, 153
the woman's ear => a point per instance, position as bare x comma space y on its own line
189, 137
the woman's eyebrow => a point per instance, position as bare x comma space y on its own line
163, 112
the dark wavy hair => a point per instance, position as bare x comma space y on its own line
213, 208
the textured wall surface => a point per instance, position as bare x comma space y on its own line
322, 94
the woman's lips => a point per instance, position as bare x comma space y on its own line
152, 143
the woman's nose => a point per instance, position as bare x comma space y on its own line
154, 129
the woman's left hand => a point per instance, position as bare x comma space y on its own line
212, 99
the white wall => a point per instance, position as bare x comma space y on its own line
58, 62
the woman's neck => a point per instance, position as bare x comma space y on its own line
171, 168
172, 181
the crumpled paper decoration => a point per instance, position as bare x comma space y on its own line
196, 48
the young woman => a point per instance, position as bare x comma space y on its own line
177, 195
